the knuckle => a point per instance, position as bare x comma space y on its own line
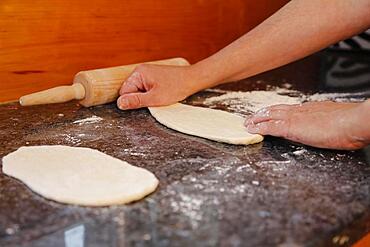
141, 74
130, 81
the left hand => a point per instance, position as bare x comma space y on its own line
319, 124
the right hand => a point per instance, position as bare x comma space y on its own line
325, 124
156, 85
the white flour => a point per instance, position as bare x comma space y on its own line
92, 119
339, 97
249, 102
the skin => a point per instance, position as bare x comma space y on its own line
298, 29
320, 124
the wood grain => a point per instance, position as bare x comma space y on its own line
45, 43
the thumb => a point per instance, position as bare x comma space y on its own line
133, 101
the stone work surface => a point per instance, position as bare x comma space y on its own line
275, 193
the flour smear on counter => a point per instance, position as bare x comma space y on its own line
249, 102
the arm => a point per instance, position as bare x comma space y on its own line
299, 28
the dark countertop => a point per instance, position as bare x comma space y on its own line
275, 193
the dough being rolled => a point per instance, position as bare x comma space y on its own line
208, 123
78, 175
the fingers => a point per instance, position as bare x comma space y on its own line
273, 120
319, 124
272, 112
132, 92
279, 128
134, 101
134, 83
266, 114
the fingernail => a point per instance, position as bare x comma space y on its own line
129, 79
123, 103
133, 77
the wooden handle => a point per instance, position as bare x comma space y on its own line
102, 85
54, 95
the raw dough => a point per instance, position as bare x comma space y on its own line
78, 175
208, 123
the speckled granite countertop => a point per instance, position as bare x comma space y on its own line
275, 193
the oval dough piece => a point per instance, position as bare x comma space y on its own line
208, 123
78, 175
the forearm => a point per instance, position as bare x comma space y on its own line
361, 129
298, 29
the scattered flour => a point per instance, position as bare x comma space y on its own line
339, 97
92, 119
71, 139
252, 101
300, 152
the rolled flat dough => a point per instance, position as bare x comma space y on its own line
78, 175
208, 123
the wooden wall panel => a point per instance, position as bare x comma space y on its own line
44, 43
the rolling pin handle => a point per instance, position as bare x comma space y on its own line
54, 95
79, 90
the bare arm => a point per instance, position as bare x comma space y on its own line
298, 29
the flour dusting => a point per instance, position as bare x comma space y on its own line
92, 119
250, 102
338, 97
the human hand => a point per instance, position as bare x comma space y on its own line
156, 85
319, 124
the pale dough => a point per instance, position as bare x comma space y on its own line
78, 175
208, 123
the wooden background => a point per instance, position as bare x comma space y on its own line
44, 43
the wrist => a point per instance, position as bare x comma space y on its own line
205, 75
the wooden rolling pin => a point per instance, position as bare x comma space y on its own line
92, 87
